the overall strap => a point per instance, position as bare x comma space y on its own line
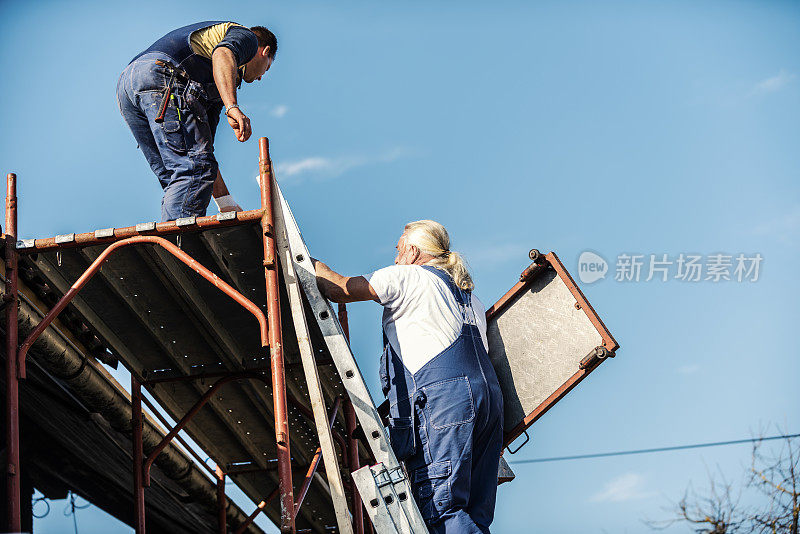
448, 280
463, 297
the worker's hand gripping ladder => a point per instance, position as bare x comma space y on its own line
383, 487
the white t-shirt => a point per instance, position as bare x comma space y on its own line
421, 317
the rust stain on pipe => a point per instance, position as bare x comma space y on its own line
281, 412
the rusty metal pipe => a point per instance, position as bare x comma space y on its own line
222, 503
281, 412
172, 249
138, 453
179, 439
259, 508
341, 311
354, 464
14, 519
291, 399
183, 422
353, 460
312, 468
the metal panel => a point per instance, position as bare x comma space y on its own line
540, 334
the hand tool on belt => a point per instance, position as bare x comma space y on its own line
173, 72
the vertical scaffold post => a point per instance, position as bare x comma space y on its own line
14, 519
354, 462
354, 465
275, 339
222, 503
138, 456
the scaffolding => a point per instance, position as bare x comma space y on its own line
270, 368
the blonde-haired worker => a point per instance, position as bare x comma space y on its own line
446, 408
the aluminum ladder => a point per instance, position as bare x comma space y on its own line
384, 487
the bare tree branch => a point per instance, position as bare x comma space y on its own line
773, 474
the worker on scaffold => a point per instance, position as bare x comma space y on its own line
446, 407
171, 96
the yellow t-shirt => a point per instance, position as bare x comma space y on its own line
205, 40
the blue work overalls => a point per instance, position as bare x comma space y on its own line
446, 424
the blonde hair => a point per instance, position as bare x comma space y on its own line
431, 238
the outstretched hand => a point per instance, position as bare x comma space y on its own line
240, 124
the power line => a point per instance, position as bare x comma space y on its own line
645, 451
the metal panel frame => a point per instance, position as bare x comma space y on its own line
540, 264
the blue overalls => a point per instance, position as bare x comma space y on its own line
446, 424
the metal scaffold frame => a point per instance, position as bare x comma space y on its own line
271, 345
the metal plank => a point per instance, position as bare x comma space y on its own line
316, 397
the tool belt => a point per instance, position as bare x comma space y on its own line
172, 69
174, 72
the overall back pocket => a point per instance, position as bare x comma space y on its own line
449, 402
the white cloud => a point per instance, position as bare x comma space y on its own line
626, 487
688, 369
293, 168
279, 111
320, 168
773, 83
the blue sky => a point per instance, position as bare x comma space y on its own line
621, 128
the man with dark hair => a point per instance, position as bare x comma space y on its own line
171, 96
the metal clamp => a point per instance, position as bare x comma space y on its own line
396, 475
597, 354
